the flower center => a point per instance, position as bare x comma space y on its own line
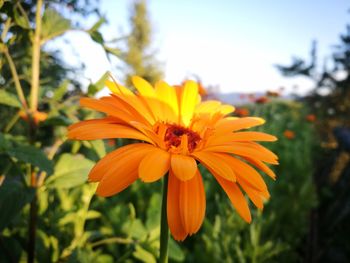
176, 135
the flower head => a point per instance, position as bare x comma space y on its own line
37, 116
289, 134
310, 117
242, 112
175, 131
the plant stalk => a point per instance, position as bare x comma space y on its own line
164, 229
36, 59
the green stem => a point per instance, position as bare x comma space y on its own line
36, 59
16, 79
164, 229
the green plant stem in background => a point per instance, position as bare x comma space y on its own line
34, 92
164, 229
36, 59
15, 77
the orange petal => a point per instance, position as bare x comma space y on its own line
215, 164
245, 172
87, 130
240, 136
253, 194
263, 167
234, 124
245, 150
123, 172
236, 197
183, 166
154, 165
107, 162
192, 203
173, 209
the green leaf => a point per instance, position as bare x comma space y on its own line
114, 51
100, 84
53, 25
32, 155
13, 197
21, 19
97, 37
175, 252
9, 99
1, 3
60, 91
97, 25
143, 255
70, 171
99, 147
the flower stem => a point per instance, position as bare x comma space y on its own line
164, 229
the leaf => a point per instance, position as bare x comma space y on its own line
9, 99
32, 155
175, 252
70, 171
97, 25
143, 255
20, 19
97, 37
13, 197
53, 25
135, 228
114, 51
99, 147
60, 91
100, 84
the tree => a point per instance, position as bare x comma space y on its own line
139, 57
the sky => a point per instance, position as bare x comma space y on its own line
230, 44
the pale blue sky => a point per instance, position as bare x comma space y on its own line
232, 44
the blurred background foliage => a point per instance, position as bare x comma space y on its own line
50, 214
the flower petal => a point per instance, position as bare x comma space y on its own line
122, 172
107, 162
239, 136
183, 166
169, 107
173, 208
192, 203
189, 99
87, 130
154, 165
234, 124
245, 150
215, 164
236, 197
143, 87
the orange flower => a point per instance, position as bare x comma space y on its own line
176, 130
37, 116
242, 112
310, 117
261, 100
271, 93
289, 134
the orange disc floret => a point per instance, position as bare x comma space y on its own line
173, 131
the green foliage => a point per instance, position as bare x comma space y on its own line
139, 58
74, 225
